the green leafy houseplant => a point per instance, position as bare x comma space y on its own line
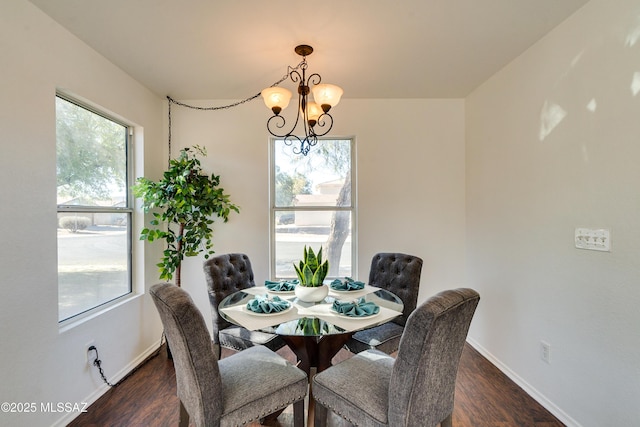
186, 199
311, 270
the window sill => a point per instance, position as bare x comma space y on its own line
80, 319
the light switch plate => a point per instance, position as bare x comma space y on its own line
593, 239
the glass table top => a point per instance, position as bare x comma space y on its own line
309, 319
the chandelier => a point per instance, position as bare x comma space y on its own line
314, 116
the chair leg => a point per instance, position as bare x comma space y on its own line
271, 418
298, 413
184, 416
320, 416
447, 421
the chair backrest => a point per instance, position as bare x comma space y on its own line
400, 274
423, 380
225, 275
197, 374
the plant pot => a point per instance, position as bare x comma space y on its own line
311, 294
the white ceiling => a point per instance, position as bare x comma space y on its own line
214, 49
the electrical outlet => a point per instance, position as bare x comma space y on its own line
545, 351
90, 354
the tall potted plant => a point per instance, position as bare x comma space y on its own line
185, 199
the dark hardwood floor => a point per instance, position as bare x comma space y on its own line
485, 397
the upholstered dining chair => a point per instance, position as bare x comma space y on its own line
400, 274
226, 274
415, 389
236, 390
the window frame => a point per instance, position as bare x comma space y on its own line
128, 210
273, 208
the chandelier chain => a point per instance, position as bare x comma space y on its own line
235, 104
290, 69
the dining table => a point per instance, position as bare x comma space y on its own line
315, 332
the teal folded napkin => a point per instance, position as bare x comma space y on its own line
266, 305
282, 285
357, 308
348, 284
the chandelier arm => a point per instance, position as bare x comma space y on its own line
276, 122
289, 141
310, 138
314, 79
295, 77
323, 120
308, 130
306, 144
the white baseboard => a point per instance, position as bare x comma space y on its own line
531, 391
93, 397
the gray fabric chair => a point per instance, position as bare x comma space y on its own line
237, 390
400, 274
415, 389
225, 275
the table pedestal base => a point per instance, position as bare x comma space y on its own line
316, 352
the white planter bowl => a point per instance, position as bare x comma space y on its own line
311, 294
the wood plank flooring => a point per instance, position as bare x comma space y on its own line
485, 397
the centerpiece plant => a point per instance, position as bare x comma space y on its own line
312, 326
311, 270
183, 203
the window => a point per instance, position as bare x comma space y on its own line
94, 208
312, 203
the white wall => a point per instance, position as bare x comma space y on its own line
530, 184
410, 178
40, 362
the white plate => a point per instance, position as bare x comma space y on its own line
281, 292
355, 317
253, 313
345, 292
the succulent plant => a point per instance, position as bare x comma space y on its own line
311, 270
312, 326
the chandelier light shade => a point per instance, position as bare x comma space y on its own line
276, 98
314, 116
313, 113
326, 95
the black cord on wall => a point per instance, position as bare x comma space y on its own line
98, 363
